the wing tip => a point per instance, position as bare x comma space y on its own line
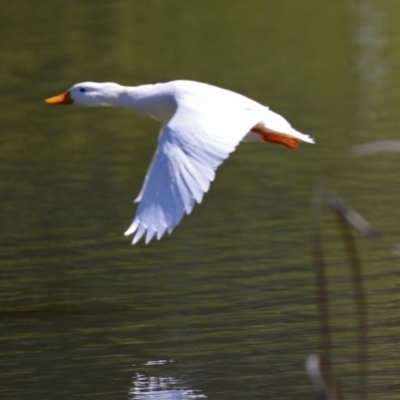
136, 238
131, 229
148, 234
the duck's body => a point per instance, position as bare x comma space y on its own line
201, 126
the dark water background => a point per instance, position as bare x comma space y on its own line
225, 307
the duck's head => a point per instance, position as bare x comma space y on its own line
89, 94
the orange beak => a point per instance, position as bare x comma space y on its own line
64, 98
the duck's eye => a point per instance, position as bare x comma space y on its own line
82, 89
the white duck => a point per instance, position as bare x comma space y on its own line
201, 126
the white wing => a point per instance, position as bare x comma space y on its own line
194, 143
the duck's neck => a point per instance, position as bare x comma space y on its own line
152, 101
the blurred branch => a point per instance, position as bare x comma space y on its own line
350, 215
346, 216
380, 146
326, 388
324, 391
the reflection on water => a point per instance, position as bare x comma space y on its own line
147, 387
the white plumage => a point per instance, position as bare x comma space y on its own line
201, 126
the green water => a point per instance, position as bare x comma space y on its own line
225, 306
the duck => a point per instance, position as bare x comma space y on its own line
201, 125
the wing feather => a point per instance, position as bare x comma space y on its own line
190, 149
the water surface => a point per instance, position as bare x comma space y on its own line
225, 307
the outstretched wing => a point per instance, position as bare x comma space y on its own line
194, 143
